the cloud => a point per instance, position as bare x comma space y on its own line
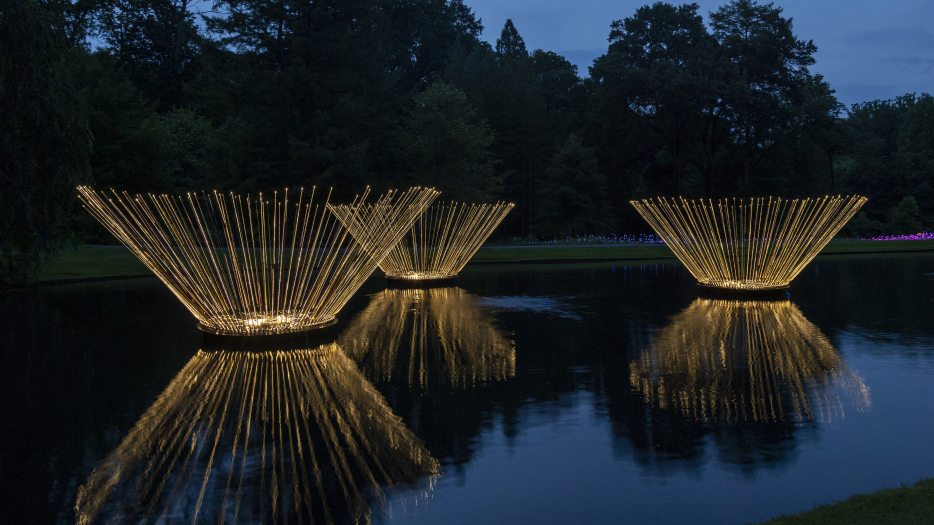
901, 37
912, 63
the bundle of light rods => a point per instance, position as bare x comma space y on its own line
257, 264
441, 242
747, 244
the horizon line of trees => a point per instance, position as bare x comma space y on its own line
175, 95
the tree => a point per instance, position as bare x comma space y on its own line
768, 69
573, 197
915, 156
905, 217
887, 154
657, 70
510, 47
129, 150
156, 42
448, 145
45, 145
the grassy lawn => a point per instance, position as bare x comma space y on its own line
93, 261
904, 505
654, 251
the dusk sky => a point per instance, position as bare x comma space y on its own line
866, 49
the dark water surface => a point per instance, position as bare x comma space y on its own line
587, 393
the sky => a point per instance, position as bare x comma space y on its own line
866, 49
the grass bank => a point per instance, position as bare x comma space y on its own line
905, 505
100, 262
617, 252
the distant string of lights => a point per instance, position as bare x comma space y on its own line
259, 437
747, 244
257, 264
735, 361
441, 242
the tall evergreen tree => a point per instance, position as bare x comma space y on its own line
510, 46
573, 194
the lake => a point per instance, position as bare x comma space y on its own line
585, 393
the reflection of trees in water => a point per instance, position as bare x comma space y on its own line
52, 398
258, 436
437, 335
884, 309
761, 361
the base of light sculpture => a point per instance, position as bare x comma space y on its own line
740, 290
421, 280
266, 326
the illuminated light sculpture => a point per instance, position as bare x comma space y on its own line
434, 334
256, 264
441, 242
740, 361
747, 244
260, 437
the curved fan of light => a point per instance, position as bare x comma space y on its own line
255, 264
757, 361
747, 244
441, 242
435, 334
259, 437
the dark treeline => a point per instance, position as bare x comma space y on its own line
167, 95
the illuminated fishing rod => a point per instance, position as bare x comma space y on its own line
737, 361
747, 244
259, 437
438, 334
440, 243
256, 264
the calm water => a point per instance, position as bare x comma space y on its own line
545, 394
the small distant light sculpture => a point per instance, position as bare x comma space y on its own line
755, 244
440, 243
260, 437
256, 264
435, 335
745, 361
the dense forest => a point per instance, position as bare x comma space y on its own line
168, 95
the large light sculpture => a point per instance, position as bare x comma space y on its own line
747, 244
745, 361
256, 264
259, 437
434, 335
440, 243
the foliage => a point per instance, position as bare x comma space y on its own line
572, 193
905, 217
448, 146
249, 94
889, 155
45, 144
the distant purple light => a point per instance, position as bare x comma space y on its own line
923, 236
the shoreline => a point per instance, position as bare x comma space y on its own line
98, 263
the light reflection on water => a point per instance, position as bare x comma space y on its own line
746, 360
434, 334
268, 436
588, 392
